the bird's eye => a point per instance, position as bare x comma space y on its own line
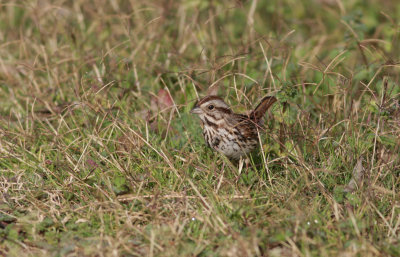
210, 107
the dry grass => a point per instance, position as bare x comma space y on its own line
99, 155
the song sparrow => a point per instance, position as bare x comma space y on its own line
232, 134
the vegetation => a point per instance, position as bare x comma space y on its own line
99, 155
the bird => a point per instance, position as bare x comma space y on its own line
232, 134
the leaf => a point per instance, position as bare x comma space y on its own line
120, 185
162, 101
287, 92
358, 175
159, 104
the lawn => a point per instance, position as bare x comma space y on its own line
99, 155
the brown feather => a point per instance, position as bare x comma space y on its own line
262, 107
209, 98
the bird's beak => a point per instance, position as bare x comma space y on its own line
195, 110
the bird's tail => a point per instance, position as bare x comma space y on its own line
262, 107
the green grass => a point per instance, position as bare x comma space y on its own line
93, 163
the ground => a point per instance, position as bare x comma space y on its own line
99, 155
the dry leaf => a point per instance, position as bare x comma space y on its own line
162, 101
356, 180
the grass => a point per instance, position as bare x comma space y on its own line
99, 155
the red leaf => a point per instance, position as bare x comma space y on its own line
165, 99
162, 101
